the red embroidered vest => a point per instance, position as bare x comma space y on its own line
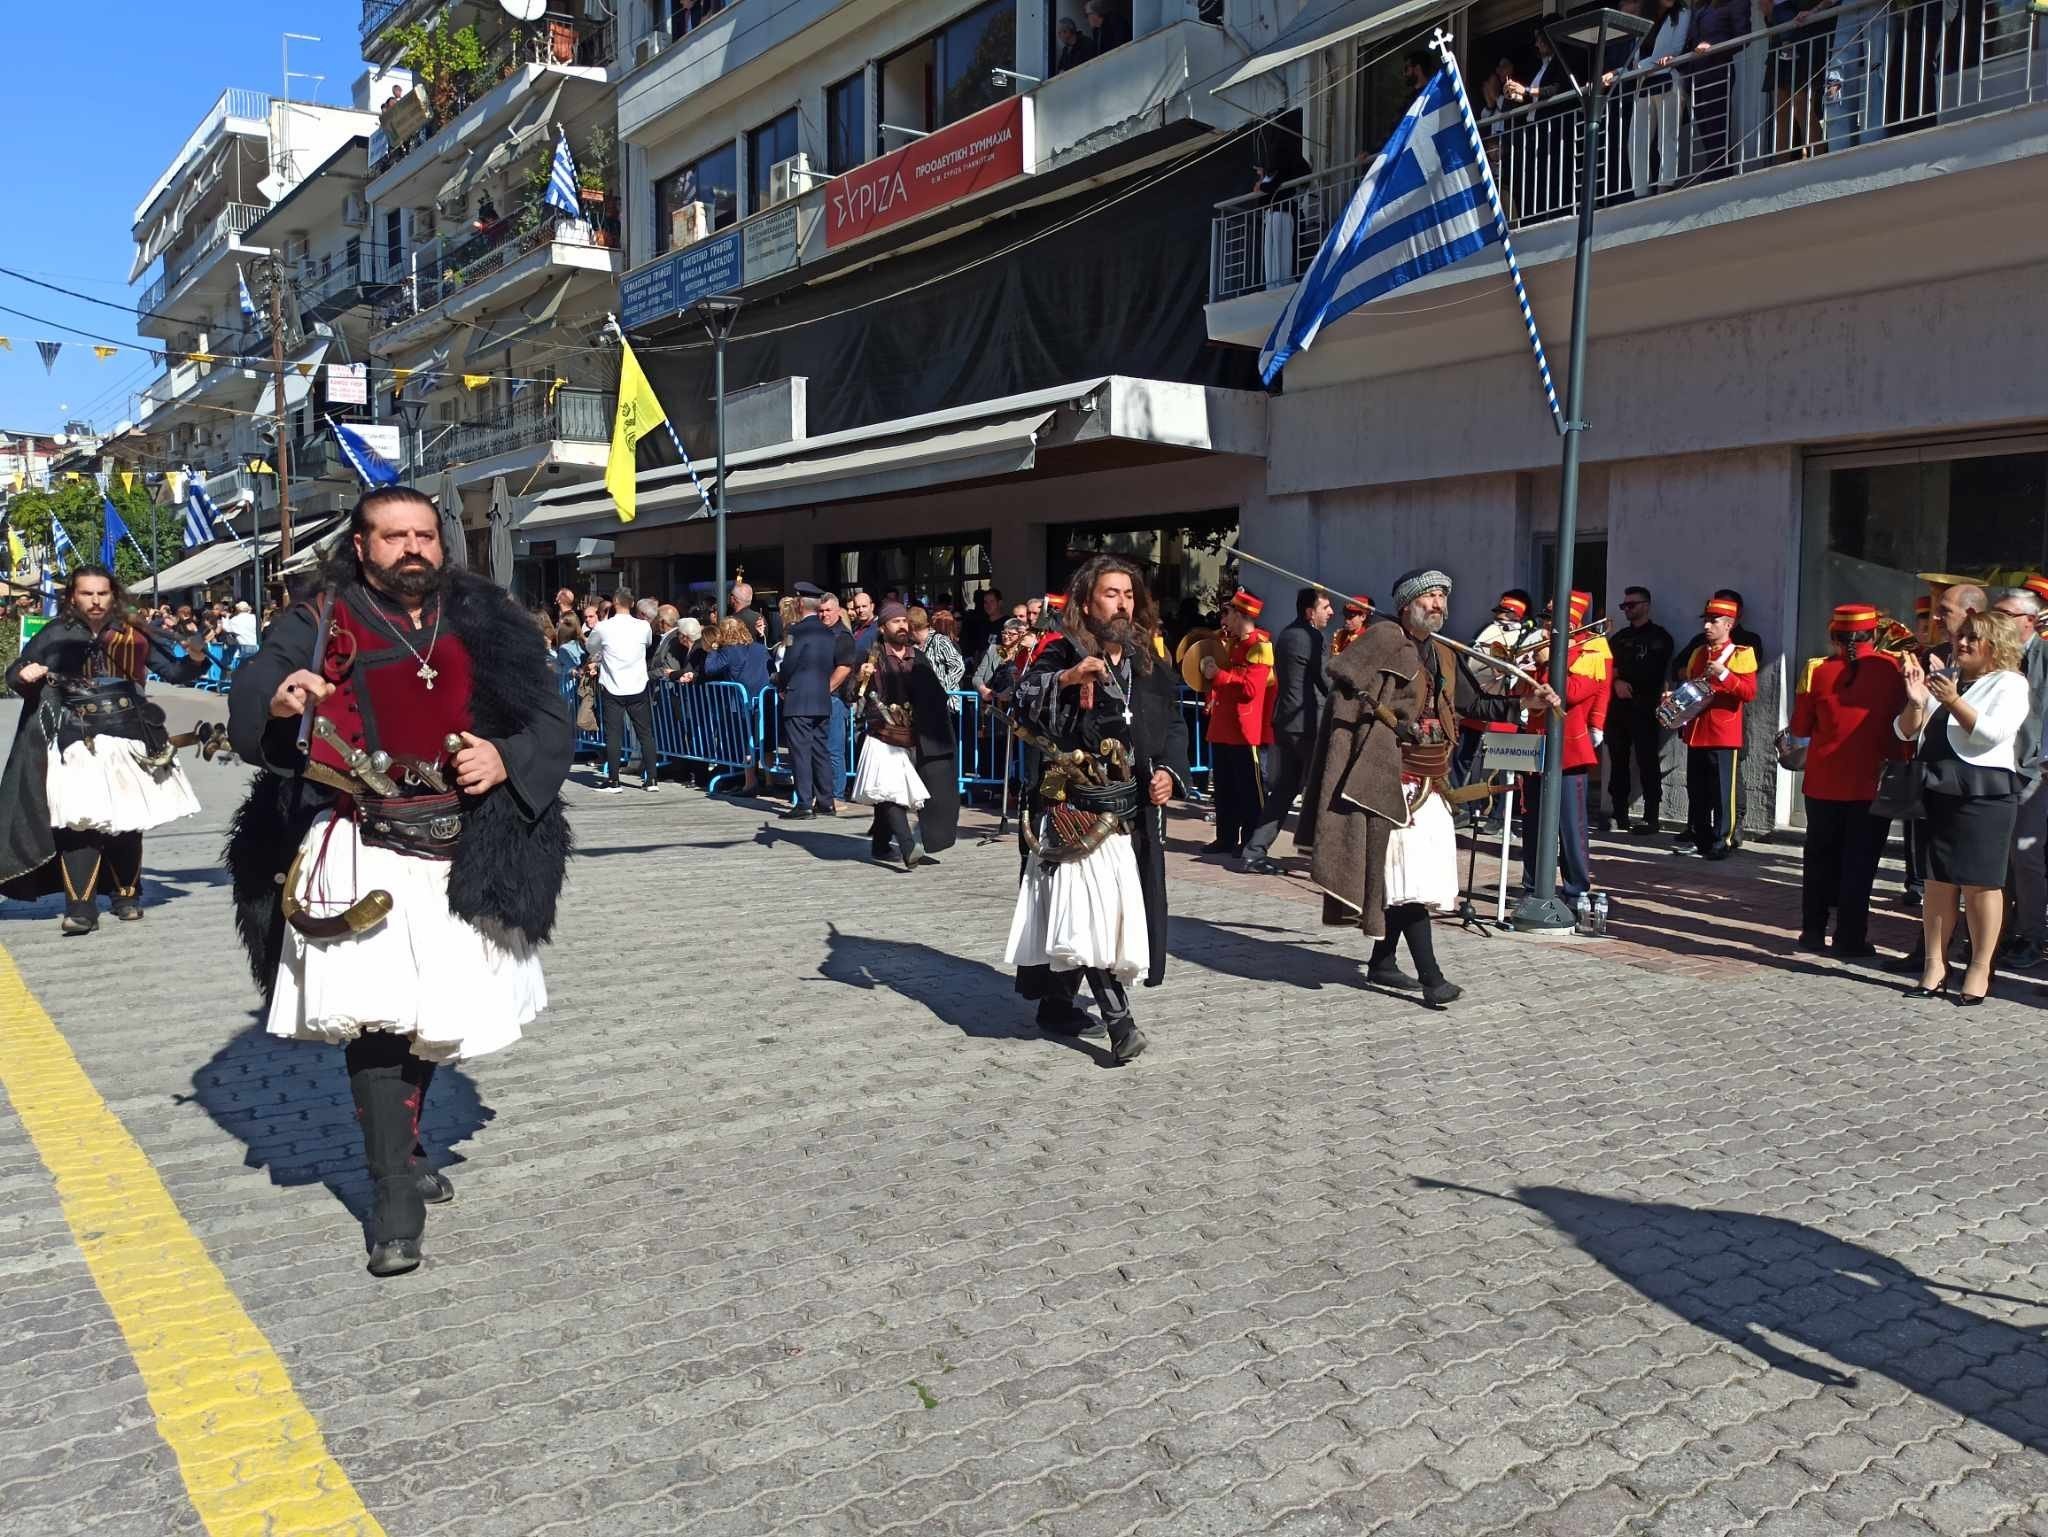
380, 702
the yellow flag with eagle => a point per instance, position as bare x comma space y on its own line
639, 414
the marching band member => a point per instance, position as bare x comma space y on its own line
1240, 722
1588, 666
1713, 738
1357, 613
1841, 736
1503, 636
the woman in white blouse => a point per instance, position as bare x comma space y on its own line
1965, 723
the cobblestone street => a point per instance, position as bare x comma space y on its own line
786, 1220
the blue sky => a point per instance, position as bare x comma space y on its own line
94, 101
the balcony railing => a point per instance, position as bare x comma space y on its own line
577, 416
441, 269
324, 293
1784, 94
229, 222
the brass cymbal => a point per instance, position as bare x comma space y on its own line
1192, 655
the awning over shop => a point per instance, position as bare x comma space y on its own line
1324, 25
515, 326
218, 560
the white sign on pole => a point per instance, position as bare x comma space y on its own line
382, 437
348, 384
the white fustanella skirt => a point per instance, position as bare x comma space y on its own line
1422, 858
460, 990
105, 787
1085, 912
888, 776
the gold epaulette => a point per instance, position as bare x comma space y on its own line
1159, 645
1260, 652
1806, 677
1593, 660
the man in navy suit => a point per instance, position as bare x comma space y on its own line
819, 658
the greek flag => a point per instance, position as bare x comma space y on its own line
371, 467
62, 550
1428, 201
561, 191
242, 292
199, 513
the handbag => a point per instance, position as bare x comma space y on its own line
1900, 789
586, 706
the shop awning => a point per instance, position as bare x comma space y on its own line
488, 159
1324, 25
517, 325
217, 560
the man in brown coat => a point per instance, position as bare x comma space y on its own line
1396, 694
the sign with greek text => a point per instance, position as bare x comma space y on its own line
978, 152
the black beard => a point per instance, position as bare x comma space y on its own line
1118, 634
410, 576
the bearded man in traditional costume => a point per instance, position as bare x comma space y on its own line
93, 766
1100, 703
398, 862
908, 764
1378, 804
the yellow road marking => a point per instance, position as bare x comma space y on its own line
250, 1453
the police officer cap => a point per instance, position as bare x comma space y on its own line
808, 590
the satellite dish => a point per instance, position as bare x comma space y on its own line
525, 10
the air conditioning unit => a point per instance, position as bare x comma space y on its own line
355, 210
419, 224
647, 47
788, 178
689, 224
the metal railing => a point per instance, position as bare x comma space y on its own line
442, 268
577, 416
340, 287
179, 264
1783, 94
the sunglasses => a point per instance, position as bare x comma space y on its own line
1630, 604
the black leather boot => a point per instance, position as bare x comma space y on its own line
387, 1101
1126, 1040
79, 862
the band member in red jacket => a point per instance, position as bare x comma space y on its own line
1842, 735
1240, 722
1587, 667
1713, 738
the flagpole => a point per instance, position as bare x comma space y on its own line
156, 555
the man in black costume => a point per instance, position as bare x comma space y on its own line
93, 766
1093, 897
907, 762
396, 875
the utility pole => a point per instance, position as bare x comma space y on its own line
284, 452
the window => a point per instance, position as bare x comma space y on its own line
713, 180
846, 123
771, 142
681, 17
948, 75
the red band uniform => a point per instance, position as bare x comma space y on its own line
1588, 665
1843, 718
1240, 723
1713, 738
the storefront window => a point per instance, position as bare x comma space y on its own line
950, 569
1872, 527
979, 42
771, 142
1183, 557
846, 129
713, 180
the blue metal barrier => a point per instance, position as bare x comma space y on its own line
222, 660
715, 724
1198, 738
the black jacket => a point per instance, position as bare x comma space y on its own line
805, 676
514, 851
1299, 682
1642, 660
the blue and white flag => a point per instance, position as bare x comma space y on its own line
242, 292
561, 191
371, 467
112, 531
48, 588
1428, 201
200, 517
62, 550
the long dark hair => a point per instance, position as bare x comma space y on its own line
117, 613
1144, 611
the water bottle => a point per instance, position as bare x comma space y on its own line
1584, 911
1600, 913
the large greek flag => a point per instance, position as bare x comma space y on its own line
1428, 201
199, 513
62, 550
561, 191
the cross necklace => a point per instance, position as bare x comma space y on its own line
427, 672
1118, 686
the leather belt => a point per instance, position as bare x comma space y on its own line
425, 825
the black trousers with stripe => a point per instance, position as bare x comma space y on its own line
1240, 795
1711, 774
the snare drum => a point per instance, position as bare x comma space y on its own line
1686, 701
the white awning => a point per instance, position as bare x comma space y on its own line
1326, 24
217, 560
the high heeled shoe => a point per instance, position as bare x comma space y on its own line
1940, 991
1963, 1000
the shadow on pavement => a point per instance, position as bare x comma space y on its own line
971, 996
1291, 957
819, 843
288, 1103
1736, 1275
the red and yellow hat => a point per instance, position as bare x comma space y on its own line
1848, 618
2038, 586
1511, 604
1358, 605
1247, 605
1721, 608
1056, 601
1923, 606
1581, 605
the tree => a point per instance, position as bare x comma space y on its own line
78, 506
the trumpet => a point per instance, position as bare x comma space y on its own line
1498, 663
1538, 642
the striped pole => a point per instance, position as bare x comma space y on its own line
1442, 43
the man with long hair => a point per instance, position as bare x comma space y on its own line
90, 774
395, 878
1092, 902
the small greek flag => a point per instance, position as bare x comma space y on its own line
1428, 201
242, 292
199, 513
561, 191
371, 467
62, 550
48, 588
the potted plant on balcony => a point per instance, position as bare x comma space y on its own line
441, 58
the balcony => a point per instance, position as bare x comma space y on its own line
458, 269
323, 294
184, 263
1871, 74
250, 109
577, 416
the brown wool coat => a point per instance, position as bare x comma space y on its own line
1353, 800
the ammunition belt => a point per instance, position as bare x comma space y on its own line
428, 826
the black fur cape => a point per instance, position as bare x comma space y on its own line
509, 866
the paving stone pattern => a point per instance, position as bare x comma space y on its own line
785, 1220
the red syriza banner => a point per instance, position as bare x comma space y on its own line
959, 160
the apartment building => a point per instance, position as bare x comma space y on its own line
486, 340
971, 268
1814, 364
196, 229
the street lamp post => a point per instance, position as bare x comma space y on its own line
1588, 31
719, 313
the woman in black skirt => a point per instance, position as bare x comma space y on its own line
1964, 722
